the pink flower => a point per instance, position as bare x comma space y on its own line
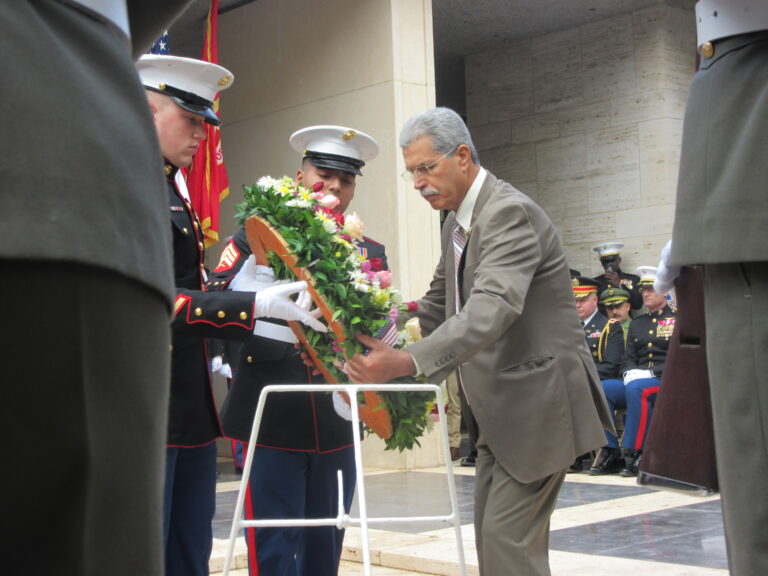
413, 306
365, 267
385, 278
317, 186
329, 201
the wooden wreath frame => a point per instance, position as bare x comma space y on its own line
264, 238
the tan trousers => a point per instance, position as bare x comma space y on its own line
453, 411
512, 519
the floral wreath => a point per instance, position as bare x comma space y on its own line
358, 291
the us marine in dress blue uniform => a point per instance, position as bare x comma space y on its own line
180, 93
302, 441
647, 345
614, 276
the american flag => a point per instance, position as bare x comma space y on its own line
161, 45
387, 333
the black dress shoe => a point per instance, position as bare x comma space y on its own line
609, 462
633, 465
468, 461
576, 467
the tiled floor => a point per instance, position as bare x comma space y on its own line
602, 526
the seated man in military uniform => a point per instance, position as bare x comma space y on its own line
615, 302
613, 276
647, 345
604, 337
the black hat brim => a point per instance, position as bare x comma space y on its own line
335, 162
208, 115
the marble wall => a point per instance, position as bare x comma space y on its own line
588, 123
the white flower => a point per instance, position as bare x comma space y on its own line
330, 226
358, 277
353, 225
267, 182
299, 202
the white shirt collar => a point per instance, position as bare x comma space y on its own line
591, 316
181, 184
467, 206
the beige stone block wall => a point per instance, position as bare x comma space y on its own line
588, 122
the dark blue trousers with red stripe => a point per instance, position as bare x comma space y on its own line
638, 398
293, 484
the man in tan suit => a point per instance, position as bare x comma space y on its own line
512, 330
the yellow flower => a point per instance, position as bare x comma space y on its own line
381, 298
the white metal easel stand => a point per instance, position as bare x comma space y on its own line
342, 520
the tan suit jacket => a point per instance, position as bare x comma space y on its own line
526, 370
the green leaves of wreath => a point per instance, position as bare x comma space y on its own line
362, 299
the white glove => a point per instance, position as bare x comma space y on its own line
636, 373
253, 277
666, 274
226, 371
304, 300
274, 302
342, 408
216, 363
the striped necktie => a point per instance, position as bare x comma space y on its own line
459, 241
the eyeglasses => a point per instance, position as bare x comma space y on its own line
424, 169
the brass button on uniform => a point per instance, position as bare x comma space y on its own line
650, 344
195, 225
221, 313
170, 348
198, 311
707, 50
200, 245
249, 359
650, 355
243, 315
185, 230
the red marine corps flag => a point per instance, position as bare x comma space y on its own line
207, 181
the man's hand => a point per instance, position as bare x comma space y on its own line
380, 365
275, 302
613, 277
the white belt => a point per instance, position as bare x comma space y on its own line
114, 10
716, 19
274, 332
